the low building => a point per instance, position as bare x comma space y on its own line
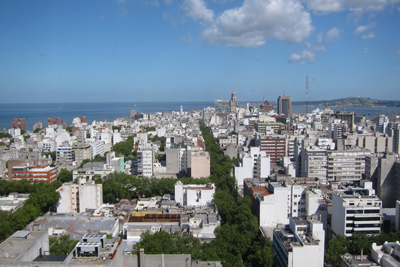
356, 209
44, 173
301, 243
77, 198
194, 195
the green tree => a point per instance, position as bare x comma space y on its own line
37, 130
62, 245
336, 247
65, 176
163, 242
51, 154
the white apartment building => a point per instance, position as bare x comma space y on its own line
98, 148
275, 203
194, 195
356, 210
145, 162
254, 164
77, 198
300, 243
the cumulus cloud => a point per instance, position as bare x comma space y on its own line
368, 36
196, 10
256, 20
303, 58
309, 54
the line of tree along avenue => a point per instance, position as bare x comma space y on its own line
238, 241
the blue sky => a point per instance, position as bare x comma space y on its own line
198, 50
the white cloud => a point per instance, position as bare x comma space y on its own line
363, 28
196, 9
356, 6
303, 58
308, 55
325, 6
333, 34
256, 20
368, 36
367, 50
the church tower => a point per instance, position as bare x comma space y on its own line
233, 103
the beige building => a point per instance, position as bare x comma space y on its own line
77, 198
346, 165
199, 163
81, 151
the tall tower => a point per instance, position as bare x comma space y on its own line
285, 105
233, 103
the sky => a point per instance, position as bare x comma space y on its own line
198, 50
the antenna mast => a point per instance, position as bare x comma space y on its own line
307, 94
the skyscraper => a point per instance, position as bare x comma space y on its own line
285, 105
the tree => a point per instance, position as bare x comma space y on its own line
163, 242
62, 245
51, 154
65, 176
336, 247
37, 130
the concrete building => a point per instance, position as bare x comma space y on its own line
388, 180
255, 164
387, 255
37, 173
222, 106
177, 160
314, 163
145, 162
346, 165
23, 247
199, 163
194, 195
80, 151
273, 145
78, 198
284, 105
18, 122
346, 117
64, 154
98, 148
299, 244
356, 209
233, 104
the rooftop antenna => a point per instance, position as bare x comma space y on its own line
307, 94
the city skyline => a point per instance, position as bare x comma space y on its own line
197, 50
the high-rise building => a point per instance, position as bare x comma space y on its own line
53, 121
346, 116
18, 122
273, 145
222, 106
145, 162
285, 105
233, 103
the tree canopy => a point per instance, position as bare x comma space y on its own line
62, 245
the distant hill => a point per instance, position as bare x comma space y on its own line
352, 102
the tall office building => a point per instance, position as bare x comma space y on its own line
233, 103
285, 105
18, 122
